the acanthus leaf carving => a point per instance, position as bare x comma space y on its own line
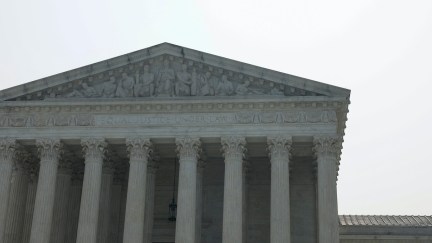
234, 147
50, 149
8, 150
279, 147
139, 149
94, 149
327, 144
188, 148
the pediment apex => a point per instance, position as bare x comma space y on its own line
263, 81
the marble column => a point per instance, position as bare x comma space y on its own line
326, 150
94, 150
7, 156
233, 151
59, 224
280, 228
188, 150
149, 206
199, 199
17, 202
31, 197
139, 150
246, 175
105, 201
49, 150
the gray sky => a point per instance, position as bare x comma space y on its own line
381, 50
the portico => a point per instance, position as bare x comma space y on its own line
114, 151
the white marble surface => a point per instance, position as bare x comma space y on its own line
50, 150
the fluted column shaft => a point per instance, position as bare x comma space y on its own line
149, 206
29, 209
7, 157
58, 232
327, 149
188, 150
49, 150
94, 150
123, 198
105, 201
17, 203
139, 150
232, 230
280, 228
246, 173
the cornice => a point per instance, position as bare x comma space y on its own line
178, 52
164, 105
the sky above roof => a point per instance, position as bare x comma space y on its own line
379, 49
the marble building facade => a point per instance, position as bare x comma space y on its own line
96, 154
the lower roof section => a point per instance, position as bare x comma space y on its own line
385, 227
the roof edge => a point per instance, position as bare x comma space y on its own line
179, 51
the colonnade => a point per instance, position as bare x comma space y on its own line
138, 214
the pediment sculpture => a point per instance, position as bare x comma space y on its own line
169, 76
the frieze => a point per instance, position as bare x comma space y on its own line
60, 120
42, 120
167, 76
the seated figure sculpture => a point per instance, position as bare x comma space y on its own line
125, 86
184, 82
225, 87
144, 85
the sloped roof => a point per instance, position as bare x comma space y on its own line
69, 80
385, 220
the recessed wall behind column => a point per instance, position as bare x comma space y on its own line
258, 200
303, 200
163, 229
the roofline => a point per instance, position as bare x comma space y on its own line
175, 50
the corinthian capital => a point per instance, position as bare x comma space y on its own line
188, 147
279, 147
327, 144
49, 149
233, 147
8, 147
94, 149
139, 148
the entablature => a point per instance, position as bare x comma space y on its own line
176, 113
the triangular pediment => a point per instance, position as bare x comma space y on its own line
167, 70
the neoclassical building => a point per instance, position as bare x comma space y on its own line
169, 144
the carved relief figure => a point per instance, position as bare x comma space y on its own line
144, 85
184, 82
109, 88
243, 89
225, 87
86, 91
165, 80
194, 84
125, 86
168, 76
204, 85
277, 90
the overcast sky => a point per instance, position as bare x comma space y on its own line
381, 50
